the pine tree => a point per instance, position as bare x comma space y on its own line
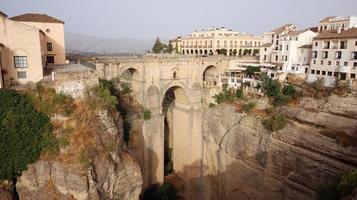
158, 46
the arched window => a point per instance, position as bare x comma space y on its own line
174, 75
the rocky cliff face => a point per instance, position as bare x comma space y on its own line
108, 173
242, 160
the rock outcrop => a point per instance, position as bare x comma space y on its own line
113, 174
242, 160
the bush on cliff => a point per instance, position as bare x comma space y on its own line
24, 133
342, 186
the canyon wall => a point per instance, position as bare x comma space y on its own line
242, 160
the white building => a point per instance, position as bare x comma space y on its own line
334, 56
215, 40
288, 49
335, 22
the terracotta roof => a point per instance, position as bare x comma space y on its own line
326, 19
34, 17
282, 28
266, 45
332, 34
306, 46
3, 14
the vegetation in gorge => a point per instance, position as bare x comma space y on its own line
275, 122
24, 133
343, 186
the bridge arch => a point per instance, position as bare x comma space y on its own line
209, 75
176, 123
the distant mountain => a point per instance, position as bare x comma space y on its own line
93, 44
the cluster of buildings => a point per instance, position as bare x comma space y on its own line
327, 52
215, 41
28, 43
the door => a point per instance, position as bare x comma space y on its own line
50, 60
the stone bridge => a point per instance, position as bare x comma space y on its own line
175, 90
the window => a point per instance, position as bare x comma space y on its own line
312, 71
337, 63
265, 49
314, 61
265, 57
20, 61
355, 64
354, 55
326, 44
49, 46
276, 58
318, 72
329, 62
316, 44
353, 75
345, 63
305, 70
343, 45
21, 75
356, 43
314, 54
287, 47
329, 73
335, 74
325, 54
323, 73
321, 62
338, 55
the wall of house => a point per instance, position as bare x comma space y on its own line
29, 46
54, 33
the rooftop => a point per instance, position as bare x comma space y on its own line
333, 34
266, 45
3, 14
282, 28
35, 17
326, 19
306, 46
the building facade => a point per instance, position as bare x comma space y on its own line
288, 49
53, 41
334, 56
23, 52
216, 41
336, 22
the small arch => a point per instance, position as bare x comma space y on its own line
209, 76
174, 75
201, 52
196, 51
183, 51
187, 51
205, 52
191, 51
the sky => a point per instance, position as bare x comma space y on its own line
147, 19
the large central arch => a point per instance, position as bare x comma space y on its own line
175, 121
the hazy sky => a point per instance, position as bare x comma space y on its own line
168, 18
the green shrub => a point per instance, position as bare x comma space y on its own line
248, 106
289, 90
338, 188
146, 114
100, 97
125, 89
271, 87
227, 95
275, 122
239, 93
280, 100
47, 101
24, 133
251, 70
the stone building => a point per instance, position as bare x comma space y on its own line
217, 41
334, 56
27, 43
53, 41
335, 22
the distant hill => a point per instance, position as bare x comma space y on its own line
85, 43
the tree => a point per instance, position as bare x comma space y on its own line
158, 46
24, 133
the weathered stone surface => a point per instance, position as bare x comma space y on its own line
115, 175
243, 160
